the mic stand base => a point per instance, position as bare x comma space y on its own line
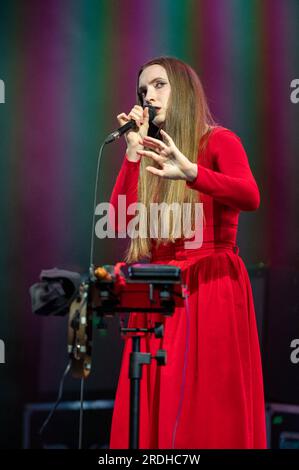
137, 360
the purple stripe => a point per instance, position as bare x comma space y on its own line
43, 152
277, 94
215, 26
134, 29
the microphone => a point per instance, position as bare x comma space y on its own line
129, 125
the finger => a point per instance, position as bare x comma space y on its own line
147, 153
146, 114
136, 114
155, 171
138, 108
122, 118
154, 143
136, 117
155, 147
166, 138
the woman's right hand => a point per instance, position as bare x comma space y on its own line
133, 136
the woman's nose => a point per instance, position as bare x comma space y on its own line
149, 97
148, 102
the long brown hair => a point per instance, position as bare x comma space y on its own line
186, 122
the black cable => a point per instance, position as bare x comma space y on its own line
60, 391
81, 414
94, 205
184, 372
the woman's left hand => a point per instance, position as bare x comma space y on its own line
174, 165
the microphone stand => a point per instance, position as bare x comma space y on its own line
137, 360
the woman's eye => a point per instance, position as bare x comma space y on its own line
159, 84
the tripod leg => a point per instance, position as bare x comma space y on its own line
135, 376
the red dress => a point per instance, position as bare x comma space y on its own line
210, 393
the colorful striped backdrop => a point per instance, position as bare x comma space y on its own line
69, 68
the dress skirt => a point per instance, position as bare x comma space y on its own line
209, 395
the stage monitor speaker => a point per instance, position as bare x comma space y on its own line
282, 426
62, 431
281, 368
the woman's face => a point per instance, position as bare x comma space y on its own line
154, 87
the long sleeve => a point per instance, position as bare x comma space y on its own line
232, 183
126, 185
